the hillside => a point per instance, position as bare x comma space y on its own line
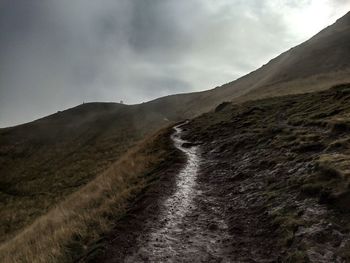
274, 170
273, 186
43, 161
317, 64
79, 219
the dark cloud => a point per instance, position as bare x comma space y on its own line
56, 54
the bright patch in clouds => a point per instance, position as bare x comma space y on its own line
309, 17
55, 54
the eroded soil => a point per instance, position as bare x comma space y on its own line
191, 224
268, 182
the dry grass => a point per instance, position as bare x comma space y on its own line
313, 83
44, 161
301, 144
87, 213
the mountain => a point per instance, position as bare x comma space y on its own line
43, 161
317, 64
273, 186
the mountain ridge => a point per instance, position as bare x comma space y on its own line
54, 156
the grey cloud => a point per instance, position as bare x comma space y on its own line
56, 54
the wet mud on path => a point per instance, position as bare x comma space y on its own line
241, 187
191, 225
181, 220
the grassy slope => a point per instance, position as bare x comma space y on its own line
311, 128
65, 231
315, 123
314, 65
43, 161
298, 150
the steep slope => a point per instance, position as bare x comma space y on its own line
65, 231
42, 161
316, 64
273, 174
282, 166
271, 185
45, 160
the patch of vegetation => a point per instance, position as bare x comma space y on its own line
301, 142
222, 106
303, 151
331, 182
287, 220
44, 161
64, 233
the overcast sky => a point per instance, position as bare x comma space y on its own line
55, 54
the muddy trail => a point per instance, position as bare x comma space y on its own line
193, 215
264, 181
189, 225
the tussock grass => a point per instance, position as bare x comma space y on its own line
62, 234
331, 182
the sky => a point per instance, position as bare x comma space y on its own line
57, 54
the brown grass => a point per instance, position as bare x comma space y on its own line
313, 83
87, 213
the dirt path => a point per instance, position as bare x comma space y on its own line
181, 219
199, 211
190, 227
242, 190
210, 206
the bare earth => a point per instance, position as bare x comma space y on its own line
247, 184
187, 219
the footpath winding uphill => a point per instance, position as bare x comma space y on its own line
191, 224
265, 181
198, 212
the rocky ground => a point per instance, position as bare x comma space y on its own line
272, 185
